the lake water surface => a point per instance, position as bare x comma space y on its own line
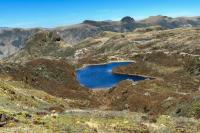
101, 76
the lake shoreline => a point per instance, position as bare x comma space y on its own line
86, 65
145, 76
89, 82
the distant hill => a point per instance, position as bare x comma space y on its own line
169, 22
89, 28
3, 28
12, 40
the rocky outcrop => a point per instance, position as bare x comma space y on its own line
127, 19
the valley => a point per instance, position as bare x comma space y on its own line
40, 90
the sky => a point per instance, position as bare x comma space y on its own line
52, 13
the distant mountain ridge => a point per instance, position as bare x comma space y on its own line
14, 39
170, 22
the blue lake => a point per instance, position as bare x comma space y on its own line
101, 76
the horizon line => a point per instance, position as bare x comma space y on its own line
98, 20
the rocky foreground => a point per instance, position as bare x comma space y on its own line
39, 91
25, 109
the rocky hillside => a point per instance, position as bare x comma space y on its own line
12, 40
169, 22
43, 44
89, 28
111, 45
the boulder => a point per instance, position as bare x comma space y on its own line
3, 120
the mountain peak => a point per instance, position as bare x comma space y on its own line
127, 19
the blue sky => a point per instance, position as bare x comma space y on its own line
52, 13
